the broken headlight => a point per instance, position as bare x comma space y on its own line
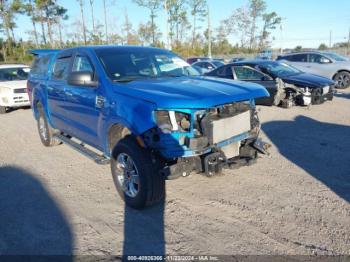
173, 121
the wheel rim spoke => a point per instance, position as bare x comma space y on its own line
127, 175
135, 179
42, 128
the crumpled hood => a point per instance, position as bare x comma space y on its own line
14, 84
193, 92
308, 80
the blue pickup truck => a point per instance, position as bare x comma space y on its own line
144, 111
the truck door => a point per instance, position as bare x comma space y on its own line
83, 103
56, 92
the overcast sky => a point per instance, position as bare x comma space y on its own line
305, 22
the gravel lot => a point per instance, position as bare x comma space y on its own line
295, 201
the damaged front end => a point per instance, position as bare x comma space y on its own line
206, 140
305, 96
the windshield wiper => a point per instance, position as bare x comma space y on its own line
127, 79
172, 75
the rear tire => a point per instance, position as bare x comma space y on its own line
136, 174
342, 79
46, 132
2, 110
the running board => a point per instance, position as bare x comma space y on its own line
101, 160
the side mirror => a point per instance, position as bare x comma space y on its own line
325, 61
82, 78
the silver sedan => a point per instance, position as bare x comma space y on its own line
327, 64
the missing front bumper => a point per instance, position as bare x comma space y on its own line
212, 163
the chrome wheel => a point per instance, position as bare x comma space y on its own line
42, 128
127, 175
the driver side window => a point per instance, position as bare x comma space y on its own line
246, 73
82, 64
316, 58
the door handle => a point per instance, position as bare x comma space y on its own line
68, 94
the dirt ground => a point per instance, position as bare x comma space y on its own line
295, 201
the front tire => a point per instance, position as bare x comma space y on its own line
46, 132
136, 174
2, 110
316, 96
342, 79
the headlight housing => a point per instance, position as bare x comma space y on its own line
173, 121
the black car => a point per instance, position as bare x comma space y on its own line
237, 59
192, 60
287, 85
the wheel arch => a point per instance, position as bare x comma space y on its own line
115, 133
339, 71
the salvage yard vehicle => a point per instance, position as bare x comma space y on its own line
206, 66
146, 112
287, 85
13, 83
327, 64
192, 60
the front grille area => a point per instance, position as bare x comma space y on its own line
226, 121
228, 127
20, 91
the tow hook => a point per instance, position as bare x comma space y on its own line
261, 146
213, 163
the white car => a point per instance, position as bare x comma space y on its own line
13, 86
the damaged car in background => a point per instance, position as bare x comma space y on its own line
145, 111
287, 85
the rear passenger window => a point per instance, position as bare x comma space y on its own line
225, 71
60, 70
297, 58
40, 65
82, 63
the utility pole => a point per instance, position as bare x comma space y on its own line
348, 45
330, 39
105, 17
209, 34
167, 25
82, 19
281, 38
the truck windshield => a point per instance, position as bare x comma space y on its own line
15, 73
122, 66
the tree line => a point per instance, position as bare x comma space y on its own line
188, 27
